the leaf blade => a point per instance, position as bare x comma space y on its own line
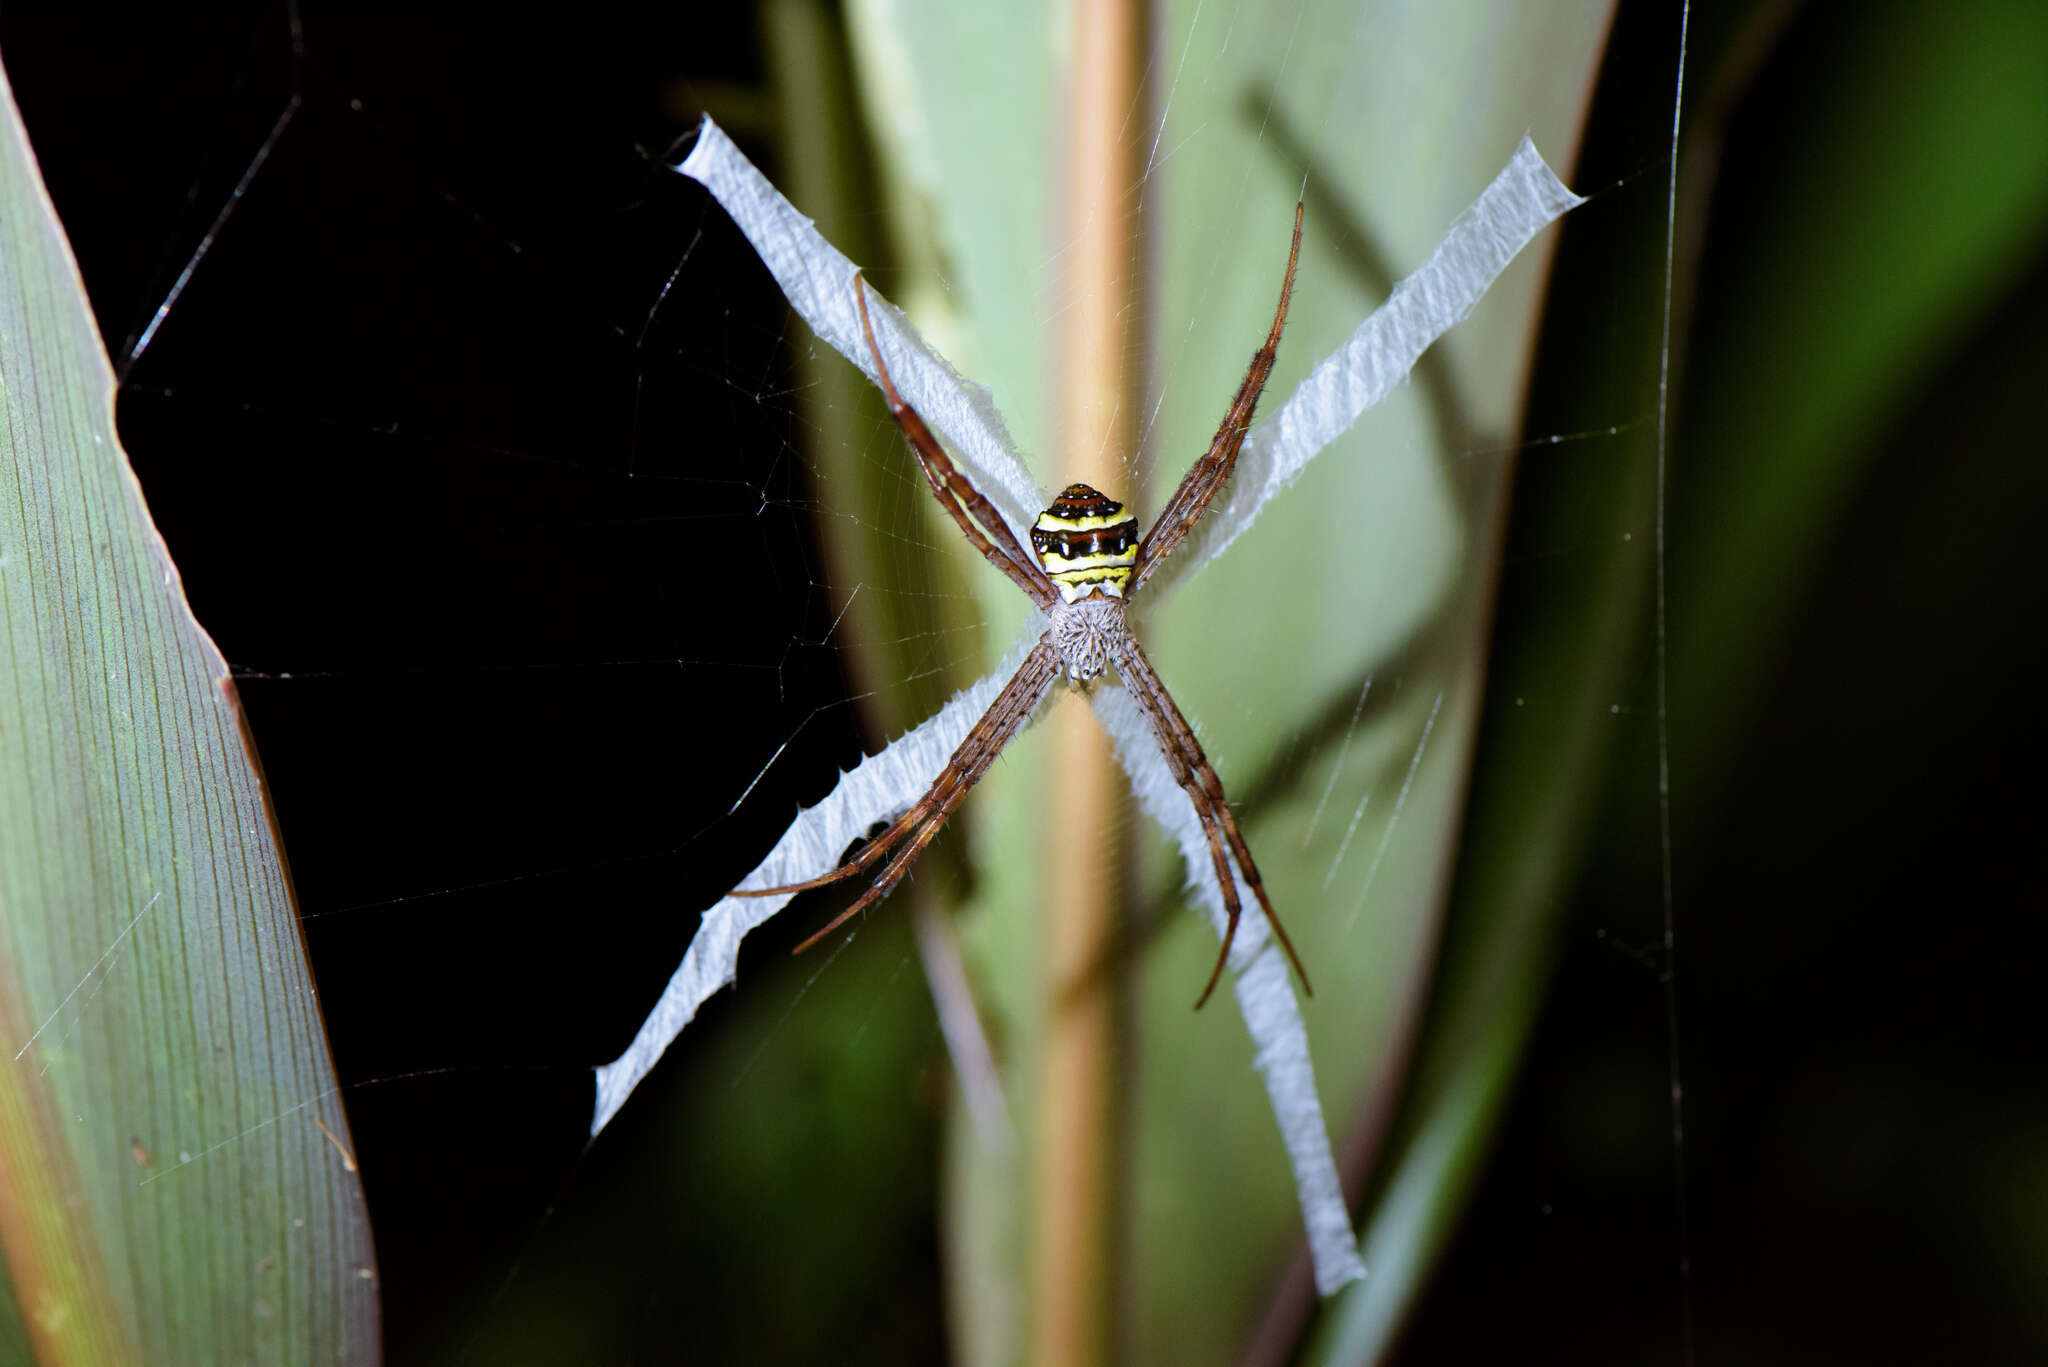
166, 1063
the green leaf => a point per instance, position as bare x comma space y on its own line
1377, 568
167, 1191
1344, 709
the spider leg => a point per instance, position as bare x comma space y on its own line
874, 849
1231, 906
956, 493
1207, 475
1177, 764
935, 797
995, 729
1191, 769
893, 873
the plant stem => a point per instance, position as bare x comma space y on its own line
1071, 1264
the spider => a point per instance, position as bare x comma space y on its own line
1085, 564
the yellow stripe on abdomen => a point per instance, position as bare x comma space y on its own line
1087, 543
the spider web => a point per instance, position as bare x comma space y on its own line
493, 464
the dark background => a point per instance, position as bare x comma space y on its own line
451, 500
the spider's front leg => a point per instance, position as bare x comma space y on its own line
964, 503
1199, 486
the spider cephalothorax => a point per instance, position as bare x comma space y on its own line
1090, 559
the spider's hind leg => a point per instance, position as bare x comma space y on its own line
889, 876
874, 849
970, 760
1232, 908
1197, 777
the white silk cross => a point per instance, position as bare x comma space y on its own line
1521, 201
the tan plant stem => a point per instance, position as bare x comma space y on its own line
1072, 1281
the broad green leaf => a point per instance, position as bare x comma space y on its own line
1376, 567
175, 1181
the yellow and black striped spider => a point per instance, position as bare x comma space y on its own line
1089, 562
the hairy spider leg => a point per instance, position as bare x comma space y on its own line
903, 825
997, 727
956, 493
1192, 770
961, 761
1212, 471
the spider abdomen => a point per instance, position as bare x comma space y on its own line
1087, 543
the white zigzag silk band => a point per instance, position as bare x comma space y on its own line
818, 281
